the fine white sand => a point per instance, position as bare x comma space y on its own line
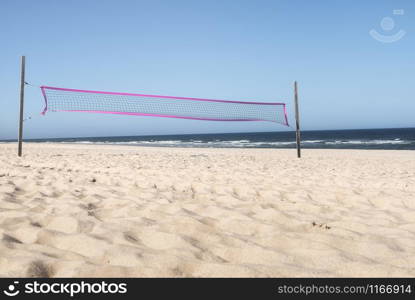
98, 211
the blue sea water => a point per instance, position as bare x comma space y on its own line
399, 138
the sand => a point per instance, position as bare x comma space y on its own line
118, 211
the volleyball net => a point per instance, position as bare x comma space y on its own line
73, 100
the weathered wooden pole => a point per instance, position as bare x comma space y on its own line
22, 85
297, 121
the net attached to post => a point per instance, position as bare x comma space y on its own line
72, 100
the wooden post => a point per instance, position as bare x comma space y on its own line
297, 121
22, 84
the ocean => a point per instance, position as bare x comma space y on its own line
397, 139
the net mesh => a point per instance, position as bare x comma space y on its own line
71, 100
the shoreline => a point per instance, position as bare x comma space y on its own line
92, 144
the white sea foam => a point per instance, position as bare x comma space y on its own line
245, 143
368, 142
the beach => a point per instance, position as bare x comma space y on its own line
70, 210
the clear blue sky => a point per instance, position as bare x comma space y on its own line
241, 50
